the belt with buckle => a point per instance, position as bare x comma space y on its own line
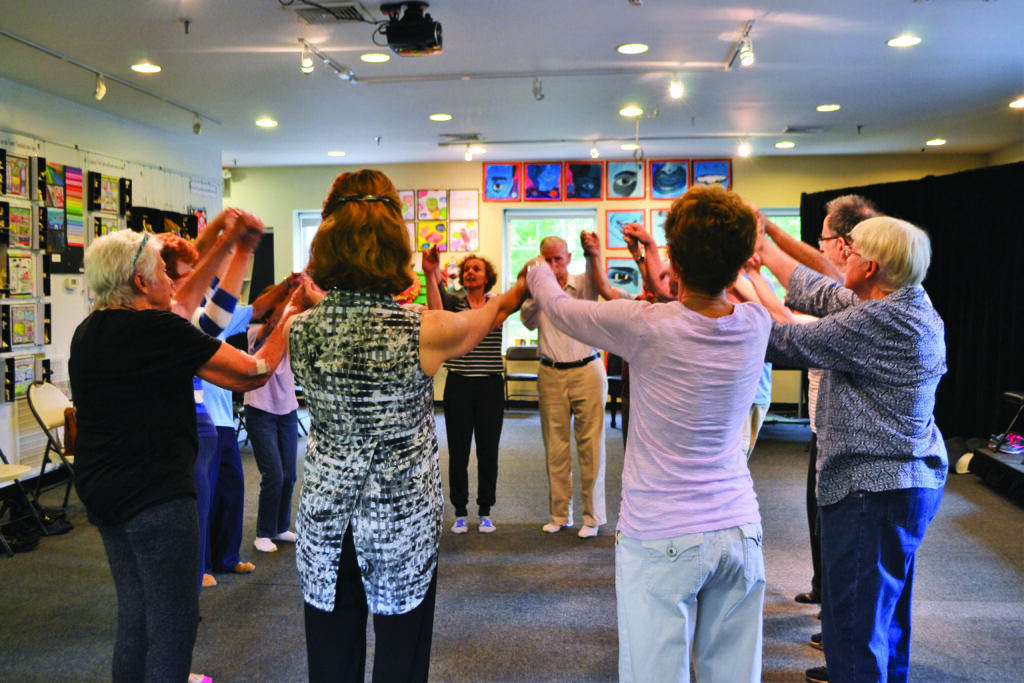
567, 366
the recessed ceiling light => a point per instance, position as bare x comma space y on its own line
629, 146
375, 57
266, 122
935, 142
477, 149
440, 117
744, 149
336, 153
675, 90
785, 144
146, 68
828, 107
632, 49
1017, 103
904, 40
631, 111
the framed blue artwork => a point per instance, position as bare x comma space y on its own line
625, 180
614, 220
669, 179
713, 171
658, 217
503, 182
542, 182
624, 274
584, 180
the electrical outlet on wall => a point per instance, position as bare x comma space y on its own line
71, 285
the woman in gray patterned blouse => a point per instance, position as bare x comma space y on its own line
881, 459
369, 519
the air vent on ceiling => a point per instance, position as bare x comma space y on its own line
460, 137
332, 13
804, 130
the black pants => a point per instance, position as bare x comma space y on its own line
812, 516
473, 405
336, 641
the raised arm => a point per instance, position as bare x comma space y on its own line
781, 264
652, 268
445, 335
431, 267
191, 291
592, 252
801, 251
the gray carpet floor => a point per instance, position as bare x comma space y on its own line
521, 605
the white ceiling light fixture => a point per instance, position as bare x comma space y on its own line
631, 111
146, 68
440, 117
828, 107
375, 57
101, 87
468, 156
785, 144
266, 122
306, 61
675, 89
935, 142
477, 149
747, 53
1017, 103
744, 149
632, 49
336, 153
904, 40
629, 147
742, 49
594, 154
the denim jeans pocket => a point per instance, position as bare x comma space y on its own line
673, 567
753, 552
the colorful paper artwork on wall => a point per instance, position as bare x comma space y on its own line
502, 182
432, 234
464, 205
410, 227
54, 185
21, 273
658, 217
464, 236
432, 205
542, 182
75, 218
669, 179
408, 200
23, 324
24, 374
16, 183
56, 238
104, 226
20, 219
109, 194
200, 213
625, 180
624, 274
712, 171
614, 220
584, 180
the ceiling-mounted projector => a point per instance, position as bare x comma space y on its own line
415, 34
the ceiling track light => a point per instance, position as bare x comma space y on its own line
306, 60
538, 90
744, 149
101, 87
593, 151
197, 125
743, 48
675, 89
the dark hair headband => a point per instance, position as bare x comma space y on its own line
338, 201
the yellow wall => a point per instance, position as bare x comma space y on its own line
274, 193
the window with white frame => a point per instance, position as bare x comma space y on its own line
524, 229
787, 218
305, 225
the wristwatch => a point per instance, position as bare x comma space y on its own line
640, 259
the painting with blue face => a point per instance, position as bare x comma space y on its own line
625, 180
583, 181
712, 172
669, 179
616, 219
543, 181
501, 181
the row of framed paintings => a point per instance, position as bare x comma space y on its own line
598, 180
440, 205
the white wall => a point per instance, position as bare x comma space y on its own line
161, 166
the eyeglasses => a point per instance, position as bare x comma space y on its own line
145, 238
822, 239
848, 249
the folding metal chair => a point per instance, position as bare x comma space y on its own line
48, 404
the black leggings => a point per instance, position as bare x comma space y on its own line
336, 641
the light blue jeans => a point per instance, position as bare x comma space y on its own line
701, 593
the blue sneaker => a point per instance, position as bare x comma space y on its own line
460, 526
486, 527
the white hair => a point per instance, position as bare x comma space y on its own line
903, 251
112, 261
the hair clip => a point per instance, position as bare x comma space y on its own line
338, 201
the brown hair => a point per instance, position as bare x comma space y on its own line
489, 273
711, 234
175, 248
362, 243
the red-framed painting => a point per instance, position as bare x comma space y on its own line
613, 222
669, 178
584, 181
503, 182
625, 180
542, 181
712, 172
624, 273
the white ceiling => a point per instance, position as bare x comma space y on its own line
240, 58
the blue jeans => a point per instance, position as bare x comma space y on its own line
275, 446
227, 506
868, 543
154, 558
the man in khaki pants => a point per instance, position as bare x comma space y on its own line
573, 387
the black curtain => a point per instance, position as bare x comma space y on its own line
976, 225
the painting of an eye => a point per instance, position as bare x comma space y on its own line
625, 183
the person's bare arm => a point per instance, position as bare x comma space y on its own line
431, 266
592, 252
208, 237
652, 267
781, 264
445, 335
801, 251
191, 291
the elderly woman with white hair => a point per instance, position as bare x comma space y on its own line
881, 459
131, 367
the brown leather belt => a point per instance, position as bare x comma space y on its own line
568, 366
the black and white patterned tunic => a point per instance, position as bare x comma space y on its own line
371, 457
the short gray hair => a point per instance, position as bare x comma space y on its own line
554, 240
847, 211
903, 251
109, 265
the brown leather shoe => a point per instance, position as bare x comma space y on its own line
808, 598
